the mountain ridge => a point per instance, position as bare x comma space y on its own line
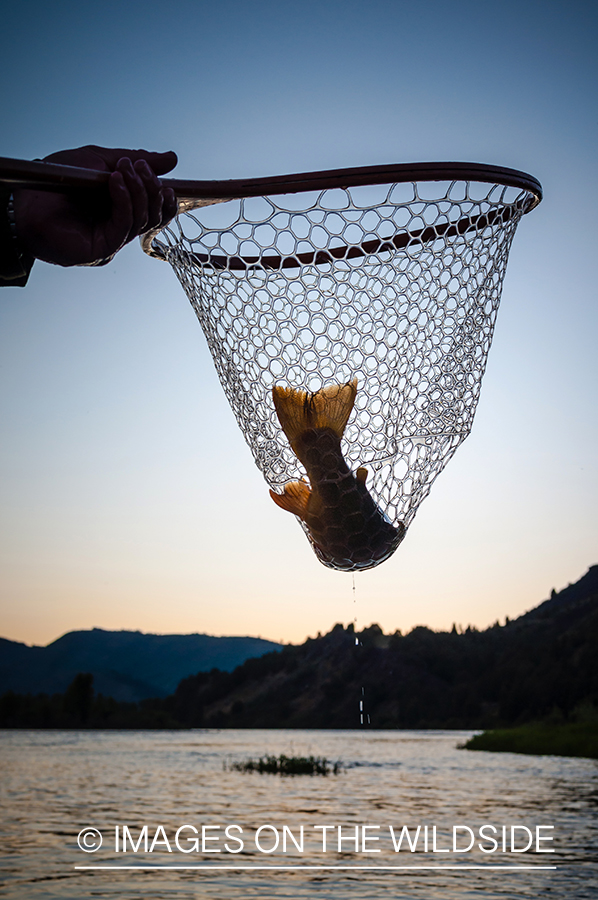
541, 666
127, 665
542, 663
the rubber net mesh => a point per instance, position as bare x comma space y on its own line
396, 285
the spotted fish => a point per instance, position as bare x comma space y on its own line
347, 529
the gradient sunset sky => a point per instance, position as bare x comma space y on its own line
128, 497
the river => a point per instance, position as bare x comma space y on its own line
407, 808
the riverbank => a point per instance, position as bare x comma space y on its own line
542, 739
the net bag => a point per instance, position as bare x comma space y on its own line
395, 285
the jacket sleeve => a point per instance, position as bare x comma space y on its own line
15, 263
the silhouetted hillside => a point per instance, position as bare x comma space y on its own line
542, 664
126, 665
546, 660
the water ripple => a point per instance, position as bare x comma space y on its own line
57, 783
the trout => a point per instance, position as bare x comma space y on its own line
347, 529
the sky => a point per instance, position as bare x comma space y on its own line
128, 497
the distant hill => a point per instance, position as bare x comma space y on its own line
126, 665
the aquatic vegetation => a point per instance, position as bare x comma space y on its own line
288, 765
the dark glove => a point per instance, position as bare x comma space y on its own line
81, 228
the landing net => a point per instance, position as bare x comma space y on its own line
397, 285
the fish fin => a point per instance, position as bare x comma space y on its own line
330, 407
294, 498
362, 474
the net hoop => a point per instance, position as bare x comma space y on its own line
196, 194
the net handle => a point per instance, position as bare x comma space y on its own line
54, 177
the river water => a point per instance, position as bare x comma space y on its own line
56, 784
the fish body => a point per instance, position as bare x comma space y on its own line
346, 528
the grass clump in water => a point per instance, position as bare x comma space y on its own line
288, 765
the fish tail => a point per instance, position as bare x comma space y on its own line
330, 407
